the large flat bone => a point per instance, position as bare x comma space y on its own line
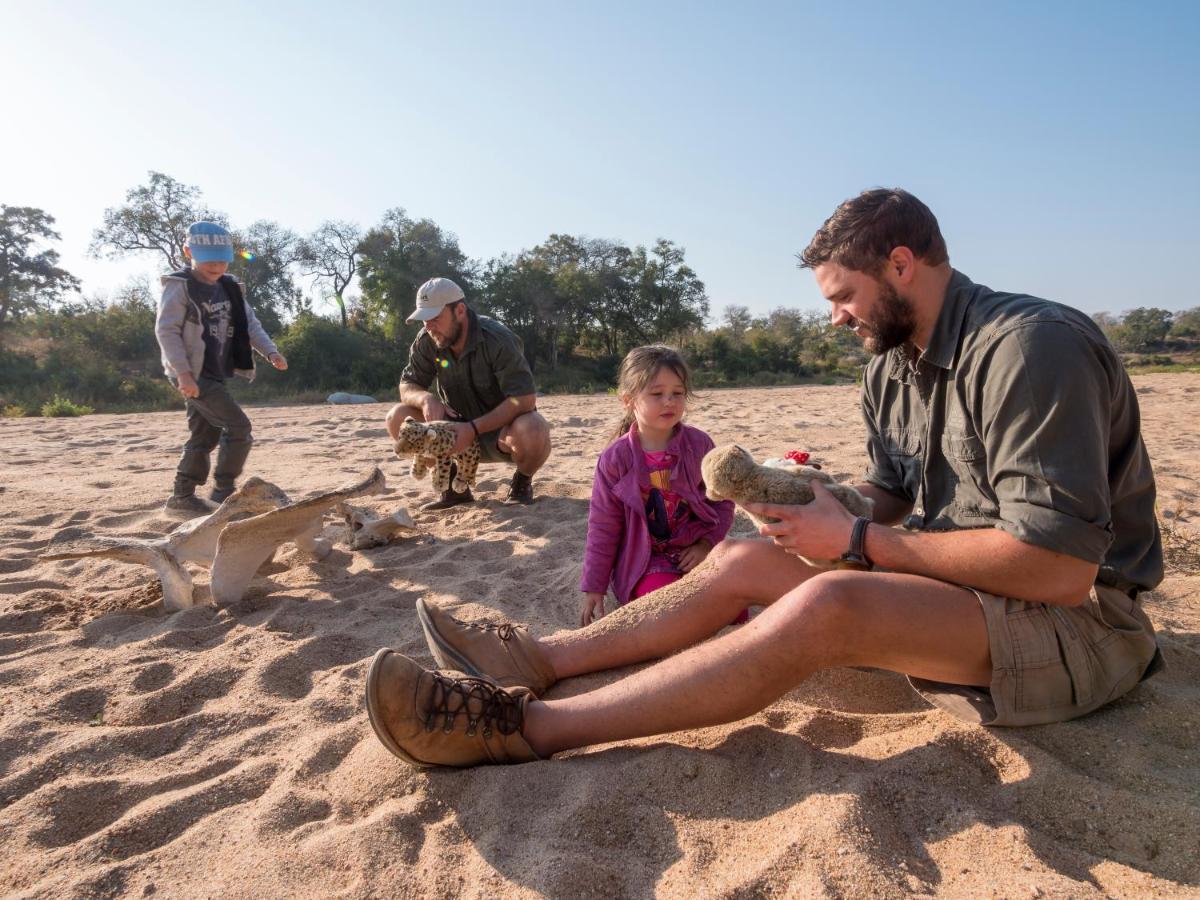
176, 582
245, 545
193, 541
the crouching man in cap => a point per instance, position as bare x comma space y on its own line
484, 388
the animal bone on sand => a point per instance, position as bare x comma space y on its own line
244, 546
366, 529
193, 541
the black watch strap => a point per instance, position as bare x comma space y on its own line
855, 556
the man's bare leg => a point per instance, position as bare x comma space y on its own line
735, 575
904, 623
527, 438
396, 416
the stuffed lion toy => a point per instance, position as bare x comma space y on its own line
730, 473
429, 445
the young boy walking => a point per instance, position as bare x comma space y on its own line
207, 330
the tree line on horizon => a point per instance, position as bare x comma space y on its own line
578, 304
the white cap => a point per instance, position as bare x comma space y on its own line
433, 296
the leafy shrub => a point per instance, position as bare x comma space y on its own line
59, 406
13, 411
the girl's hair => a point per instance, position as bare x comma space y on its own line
638, 369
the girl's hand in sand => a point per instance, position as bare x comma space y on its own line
818, 530
278, 360
591, 609
690, 557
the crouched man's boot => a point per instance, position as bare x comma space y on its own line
450, 497
433, 718
520, 489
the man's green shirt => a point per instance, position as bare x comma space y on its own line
1019, 415
491, 369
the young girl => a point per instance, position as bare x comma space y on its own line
649, 521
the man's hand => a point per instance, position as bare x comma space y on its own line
187, 385
464, 436
591, 609
434, 410
278, 360
818, 530
694, 554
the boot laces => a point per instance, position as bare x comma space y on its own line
505, 631
477, 700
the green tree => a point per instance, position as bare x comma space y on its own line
155, 218
397, 257
1186, 324
29, 278
1143, 329
265, 267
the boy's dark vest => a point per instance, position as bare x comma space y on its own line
240, 355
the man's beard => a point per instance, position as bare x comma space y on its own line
452, 338
894, 321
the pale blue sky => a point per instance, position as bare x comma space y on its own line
1058, 146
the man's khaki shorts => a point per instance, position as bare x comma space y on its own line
1053, 663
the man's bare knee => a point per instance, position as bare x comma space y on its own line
829, 613
396, 416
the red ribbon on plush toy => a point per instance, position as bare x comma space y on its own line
799, 457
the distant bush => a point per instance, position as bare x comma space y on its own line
13, 411
60, 407
1156, 360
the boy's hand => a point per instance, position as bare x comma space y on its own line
591, 609
187, 385
692, 556
278, 360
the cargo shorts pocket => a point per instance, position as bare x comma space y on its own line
1051, 660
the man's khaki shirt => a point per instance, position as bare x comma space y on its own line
491, 369
1019, 415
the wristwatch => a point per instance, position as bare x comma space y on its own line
855, 556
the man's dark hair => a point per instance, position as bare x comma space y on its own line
864, 230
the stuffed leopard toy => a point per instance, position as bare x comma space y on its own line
429, 446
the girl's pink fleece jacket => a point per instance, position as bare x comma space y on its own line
618, 539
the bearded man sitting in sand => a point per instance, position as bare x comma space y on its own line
1003, 434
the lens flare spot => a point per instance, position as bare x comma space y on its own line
246, 255
445, 363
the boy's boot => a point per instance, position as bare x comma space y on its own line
183, 499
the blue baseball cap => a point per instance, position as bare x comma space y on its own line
209, 242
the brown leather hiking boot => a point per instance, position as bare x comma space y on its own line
430, 718
504, 653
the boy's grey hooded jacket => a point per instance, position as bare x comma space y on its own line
180, 330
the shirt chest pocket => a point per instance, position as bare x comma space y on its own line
967, 461
903, 448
